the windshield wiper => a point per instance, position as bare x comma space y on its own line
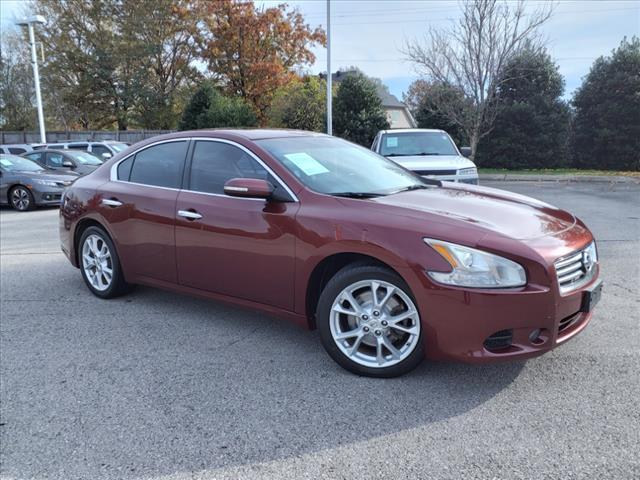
357, 194
417, 154
409, 188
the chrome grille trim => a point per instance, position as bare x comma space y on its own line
572, 272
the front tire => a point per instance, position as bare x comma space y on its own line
369, 322
100, 265
21, 199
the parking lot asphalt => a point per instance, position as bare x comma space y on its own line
157, 385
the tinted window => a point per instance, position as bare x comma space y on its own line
160, 165
78, 146
124, 169
17, 151
215, 163
36, 157
98, 150
54, 159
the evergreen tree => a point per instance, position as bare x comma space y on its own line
208, 108
532, 126
358, 114
607, 112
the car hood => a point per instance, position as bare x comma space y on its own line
504, 213
48, 175
433, 162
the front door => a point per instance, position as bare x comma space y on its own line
234, 246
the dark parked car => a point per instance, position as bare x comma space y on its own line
389, 266
65, 160
24, 184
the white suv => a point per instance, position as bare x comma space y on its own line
429, 153
101, 149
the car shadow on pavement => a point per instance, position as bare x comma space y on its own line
157, 383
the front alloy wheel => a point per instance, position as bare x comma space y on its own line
21, 199
373, 325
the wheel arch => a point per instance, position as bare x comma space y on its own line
326, 269
79, 229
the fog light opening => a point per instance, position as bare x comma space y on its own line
537, 336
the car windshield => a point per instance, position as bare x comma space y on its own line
84, 158
13, 163
118, 147
417, 143
337, 167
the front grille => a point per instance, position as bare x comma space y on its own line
499, 340
435, 172
574, 270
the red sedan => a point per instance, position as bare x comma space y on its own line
388, 266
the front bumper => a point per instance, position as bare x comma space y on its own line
458, 322
47, 195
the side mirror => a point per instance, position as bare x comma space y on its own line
248, 188
106, 156
68, 164
465, 151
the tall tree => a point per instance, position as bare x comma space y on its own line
419, 99
357, 111
607, 112
17, 108
301, 104
253, 52
118, 61
531, 129
470, 55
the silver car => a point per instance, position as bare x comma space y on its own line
24, 184
429, 153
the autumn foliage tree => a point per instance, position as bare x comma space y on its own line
251, 51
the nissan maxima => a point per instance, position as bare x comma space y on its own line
390, 267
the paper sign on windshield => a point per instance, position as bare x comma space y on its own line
306, 163
392, 142
5, 162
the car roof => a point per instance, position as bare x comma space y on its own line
412, 130
256, 133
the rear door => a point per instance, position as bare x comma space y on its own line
140, 204
239, 247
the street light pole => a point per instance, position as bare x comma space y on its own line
29, 22
329, 92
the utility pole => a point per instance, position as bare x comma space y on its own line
329, 92
29, 22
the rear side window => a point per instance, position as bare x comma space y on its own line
98, 150
124, 169
78, 146
36, 157
160, 165
17, 151
214, 163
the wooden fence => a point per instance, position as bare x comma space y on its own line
129, 136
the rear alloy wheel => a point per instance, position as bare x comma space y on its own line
369, 323
21, 199
100, 265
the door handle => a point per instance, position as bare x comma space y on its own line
110, 202
189, 215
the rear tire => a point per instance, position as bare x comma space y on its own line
21, 199
369, 322
100, 265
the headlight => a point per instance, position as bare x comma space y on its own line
48, 183
475, 268
468, 171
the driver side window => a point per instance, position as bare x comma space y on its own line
54, 159
215, 163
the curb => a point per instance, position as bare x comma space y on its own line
513, 177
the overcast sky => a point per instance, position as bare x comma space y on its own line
369, 34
